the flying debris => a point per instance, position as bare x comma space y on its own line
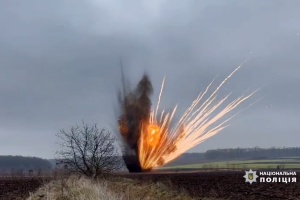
149, 137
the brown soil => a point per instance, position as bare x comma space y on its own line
19, 187
222, 185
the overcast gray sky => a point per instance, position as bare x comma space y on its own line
59, 64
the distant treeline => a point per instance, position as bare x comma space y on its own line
236, 154
252, 153
25, 164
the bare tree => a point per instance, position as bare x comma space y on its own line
87, 150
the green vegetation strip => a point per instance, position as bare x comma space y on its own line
256, 164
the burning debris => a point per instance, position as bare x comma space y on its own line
149, 139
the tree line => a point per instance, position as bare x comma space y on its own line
252, 153
23, 165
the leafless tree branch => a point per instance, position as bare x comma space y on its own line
88, 150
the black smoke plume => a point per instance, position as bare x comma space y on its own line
135, 106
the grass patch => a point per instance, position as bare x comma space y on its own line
292, 163
73, 188
134, 189
80, 188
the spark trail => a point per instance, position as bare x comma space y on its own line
159, 143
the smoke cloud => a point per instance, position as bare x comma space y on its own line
135, 107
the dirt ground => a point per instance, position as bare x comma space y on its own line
223, 185
209, 185
18, 187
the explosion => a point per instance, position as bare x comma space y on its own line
150, 139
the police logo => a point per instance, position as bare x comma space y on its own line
250, 176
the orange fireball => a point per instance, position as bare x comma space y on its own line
153, 133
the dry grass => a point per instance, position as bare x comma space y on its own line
73, 188
80, 188
133, 189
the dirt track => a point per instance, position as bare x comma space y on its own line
224, 185
18, 187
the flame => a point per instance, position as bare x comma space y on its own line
153, 131
159, 143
